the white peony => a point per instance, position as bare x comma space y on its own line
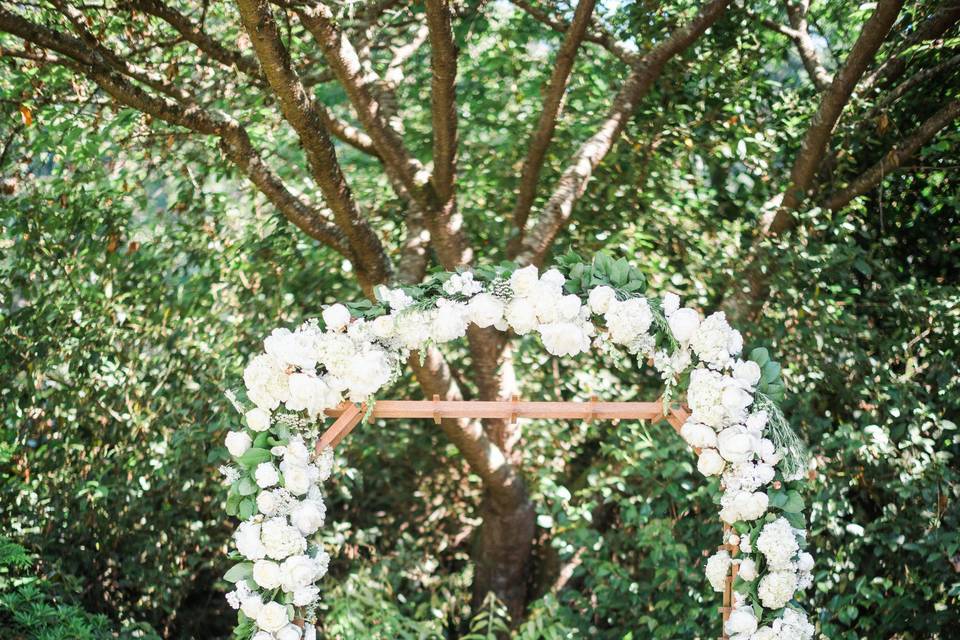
281, 539
778, 543
600, 299
290, 632
683, 324
698, 435
524, 281
710, 463
735, 444
717, 569
266, 475
485, 310
305, 596
564, 338
742, 620
297, 572
296, 478
237, 443
247, 539
266, 574
272, 617
307, 392
521, 316
308, 516
748, 569
266, 381
336, 317
258, 419
743, 506
553, 278
776, 589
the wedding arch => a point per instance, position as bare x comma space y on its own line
724, 405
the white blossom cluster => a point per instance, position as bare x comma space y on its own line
316, 367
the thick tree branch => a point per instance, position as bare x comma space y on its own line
797, 14
814, 144
573, 181
443, 101
299, 110
920, 77
552, 99
895, 157
595, 34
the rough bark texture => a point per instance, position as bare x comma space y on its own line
797, 14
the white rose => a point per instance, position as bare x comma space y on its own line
266, 475
735, 342
251, 605
247, 539
336, 317
569, 307
564, 338
266, 574
741, 621
710, 463
296, 479
748, 569
267, 502
671, 302
485, 310
296, 451
305, 595
307, 392
258, 419
805, 562
698, 435
521, 316
747, 373
308, 516
524, 281
272, 617
296, 572
683, 324
237, 443
627, 320
289, 632
600, 299
735, 444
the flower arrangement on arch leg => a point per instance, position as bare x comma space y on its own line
357, 349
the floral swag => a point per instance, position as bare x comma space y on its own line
358, 349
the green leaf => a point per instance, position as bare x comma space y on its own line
760, 356
238, 572
254, 456
793, 503
246, 508
246, 486
771, 371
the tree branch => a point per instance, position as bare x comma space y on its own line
552, 99
797, 14
299, 110
929, 73
895, 157
443, 101
596, 34
814, 143
573, 181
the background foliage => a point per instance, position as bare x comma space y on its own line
138, 273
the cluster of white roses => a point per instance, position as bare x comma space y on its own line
315, 368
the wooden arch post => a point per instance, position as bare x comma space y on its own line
348, 415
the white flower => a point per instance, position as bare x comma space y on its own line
792, 625
289, 632
671, 303
683, 324
564, 338
296, 479
266, 574
553, 278
735, 444
698, 435
323, 563
266, 475
718, 566
569, 307
251, 605
266, 381
263, 635
336, 317
778, 543
743, 506
247, 539
745, 546
291, 348
757, 421
233, 599
521, 316
485, 310
308, 392
305, 596
296, 452
748, 569
237, 443
742, 620
768, 452
776, 589
628, 319
281, 539
297, 572
747, 373
710, 463
272, 617
449, 321
308, 516
765, 633
600, 299
704, 395
805, 562
712, 340
735, 401
397, 299
258, 419
524, 281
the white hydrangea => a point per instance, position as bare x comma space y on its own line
792, 625
718, 568
715, 341
281, 539
704, 396
627, 320
449, 321
266, 381
291, 349
521, 316
778, 543
396, 299
741, 623
776, 588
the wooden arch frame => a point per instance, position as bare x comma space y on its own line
348, 415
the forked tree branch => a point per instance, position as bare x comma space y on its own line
300, 111
547, 124
797, 14
595, 34
895, 157
573, 182
834, 99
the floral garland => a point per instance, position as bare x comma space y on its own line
358, 349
